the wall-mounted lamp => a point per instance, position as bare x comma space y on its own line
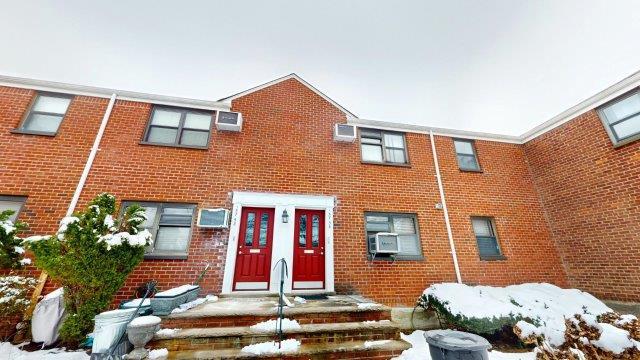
285, 216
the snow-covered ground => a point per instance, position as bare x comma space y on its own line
420, 350
13, 352
271, 347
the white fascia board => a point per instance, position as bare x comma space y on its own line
259, 199
228, 99
52, 86
384, 125
625, 85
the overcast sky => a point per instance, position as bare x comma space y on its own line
496, 66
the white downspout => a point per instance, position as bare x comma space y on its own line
444, 208
92, 156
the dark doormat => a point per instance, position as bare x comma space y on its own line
314, 297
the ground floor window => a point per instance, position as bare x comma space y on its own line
404, 225
13, 203
485, 231
170, 226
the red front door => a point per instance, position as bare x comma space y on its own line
253, 261
308, 250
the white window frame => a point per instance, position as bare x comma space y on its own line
617, 142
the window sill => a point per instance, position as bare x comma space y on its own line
384, 164
174, 146
493, 258
166, 256
471, 171
626, 141
33, 132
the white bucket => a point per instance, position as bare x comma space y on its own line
109, 327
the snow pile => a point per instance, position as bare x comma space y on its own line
368, 305
626, 319
299, 300
420, 350
614, 340
13, 352
191, 304
485, 309
145, 321
167, 332
158, 354
271, 347
176, 290
375, 343
270, 325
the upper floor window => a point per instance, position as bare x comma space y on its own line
405, 225
621, 118
485, 231
379, 146
170, 227
178, 127
466, 154
13, 203
46, 113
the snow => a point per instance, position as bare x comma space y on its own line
10, 289
158, 354
176, 290
140, 239
186, 306
300, 300
136, 302
420, 350
375, 343
270, 325
36, 238
8, 226
271, 347
145, 321
167, 332
368, 305
108, 221
25, 261
626, 319
546, 304
64, 224
15, 353
614, 339
19, 249
376, 322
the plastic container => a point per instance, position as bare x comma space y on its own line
109, 327
164, 302
456, 345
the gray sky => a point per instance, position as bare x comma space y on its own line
496, 66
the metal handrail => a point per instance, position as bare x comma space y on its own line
284, 272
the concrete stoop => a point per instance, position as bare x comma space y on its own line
335, 328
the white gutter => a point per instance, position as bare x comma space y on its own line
444, 208
92, 156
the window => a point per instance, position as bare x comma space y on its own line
383, 147
405, 225
13, 203
170, 227
621, 118
466, 154
46, 114
488, 247
178, 127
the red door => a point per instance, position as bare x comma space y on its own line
253, 261
308, 250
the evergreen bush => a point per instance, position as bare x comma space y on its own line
91, 256
11, 250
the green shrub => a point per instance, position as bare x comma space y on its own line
14, 296
91, 256
11, 250
483, 326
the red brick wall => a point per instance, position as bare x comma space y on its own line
591, 194
286, 146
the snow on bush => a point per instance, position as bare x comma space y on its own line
487, 309
271, 347
14, 295
11, 248
13, 352
270, 325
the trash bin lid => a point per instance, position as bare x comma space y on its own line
456, 340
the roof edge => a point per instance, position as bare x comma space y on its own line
53, 86
284, 78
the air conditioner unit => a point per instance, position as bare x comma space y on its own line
213, 218
229, 121
386, 243
344, 133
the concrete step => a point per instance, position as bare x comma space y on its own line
339, 350
238, 337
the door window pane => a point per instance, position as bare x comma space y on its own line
43, 122
51, 104
166, 118
197, 121
315, 231
172, 239
194, 138
371, 153
248, 237
302, 237
162, 135
264, 225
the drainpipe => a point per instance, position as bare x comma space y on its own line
444, 208
92, 156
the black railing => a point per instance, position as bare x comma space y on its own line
284, 272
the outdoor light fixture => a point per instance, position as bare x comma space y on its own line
285, 216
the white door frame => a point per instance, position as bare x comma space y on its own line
282, 245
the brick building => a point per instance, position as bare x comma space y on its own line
383, 213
